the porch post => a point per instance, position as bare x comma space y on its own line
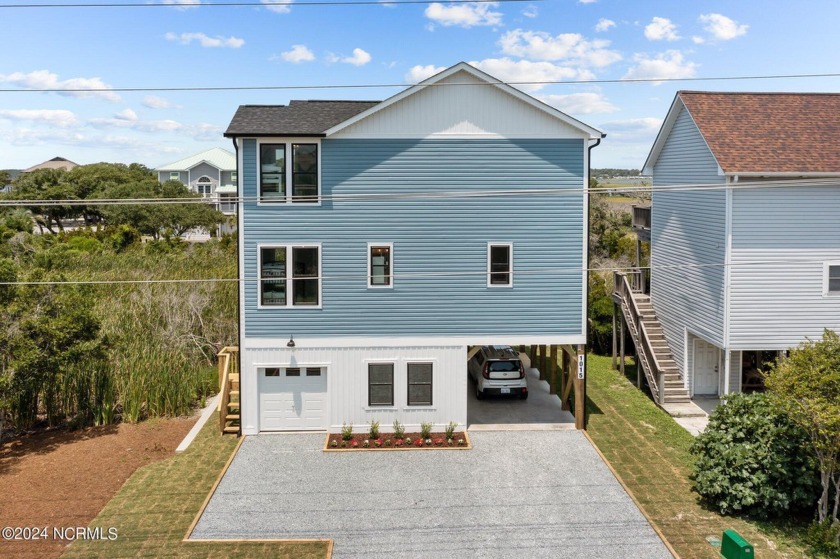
614, 340
621, 342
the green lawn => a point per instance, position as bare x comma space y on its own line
156, 505
650, 453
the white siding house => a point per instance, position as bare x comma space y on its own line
211, 173
745, 238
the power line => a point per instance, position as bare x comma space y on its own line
404, 85
268, 4
443, 195
565, 270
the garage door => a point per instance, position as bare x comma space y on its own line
293, 399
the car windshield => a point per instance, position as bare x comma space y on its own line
501, 366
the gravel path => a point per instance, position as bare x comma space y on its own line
516, 494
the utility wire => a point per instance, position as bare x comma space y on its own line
444, 195
555, 271
404, 85
268, 4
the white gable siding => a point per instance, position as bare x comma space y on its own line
688, 241
780, 239
471, 109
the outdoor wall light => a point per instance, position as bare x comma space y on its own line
291, 342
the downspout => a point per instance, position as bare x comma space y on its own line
731, 181
586, 287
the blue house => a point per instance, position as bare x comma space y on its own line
378, 240
745, 240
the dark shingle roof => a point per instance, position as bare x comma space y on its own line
298, 118
769, 132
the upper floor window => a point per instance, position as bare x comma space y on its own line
297, 285
174, 176
379, 265
499, 265
831, 280
289, 172
233, 177
204, 186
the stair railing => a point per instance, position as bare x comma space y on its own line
227, 366
647, 357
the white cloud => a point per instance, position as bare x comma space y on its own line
182, 4
531, 11
464, 15
278, 6
580, 103
52, 117
604, 24
127, 114
661, 29
587, 1
18, 136
128, 119
633, 129
155, 102
205, 40
698, 40
359, 58
666, 65
298, 54
571, 47
722, 28
508, 70
43, 79
419, 73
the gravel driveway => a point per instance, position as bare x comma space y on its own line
515, 494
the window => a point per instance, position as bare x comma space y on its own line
233, 177
379, 265
272, 372
273, 172
500, 265
174, 176
289, 172
294, 372
304, 172
419, 384
280, 289
313, 371
204, 186
831, 283
381, 384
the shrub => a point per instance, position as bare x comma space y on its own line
425, 430
346, 431
750, 460
399, 429
824, 536
450, 429
374, 429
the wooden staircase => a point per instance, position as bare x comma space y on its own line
654, 355
229, 410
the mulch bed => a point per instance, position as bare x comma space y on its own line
362, 442
62, 479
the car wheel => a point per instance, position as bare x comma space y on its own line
479, 395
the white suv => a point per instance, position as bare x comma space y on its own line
498, 370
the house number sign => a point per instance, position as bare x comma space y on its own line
581, 367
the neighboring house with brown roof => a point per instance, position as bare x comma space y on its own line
54, 163
744, 231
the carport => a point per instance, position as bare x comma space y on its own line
554, 374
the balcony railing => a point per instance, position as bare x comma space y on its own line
641, 217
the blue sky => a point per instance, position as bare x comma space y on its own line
193, 45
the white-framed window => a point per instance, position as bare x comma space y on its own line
380, 265
419, 376
174, 176
289, 276
233, 177
499, 265
831, 278
289, 172
204, 186
380, 384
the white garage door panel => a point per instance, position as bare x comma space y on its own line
293, 403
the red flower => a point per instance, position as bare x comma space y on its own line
354, 443
419, 442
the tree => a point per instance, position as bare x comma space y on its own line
46, 184
806, 385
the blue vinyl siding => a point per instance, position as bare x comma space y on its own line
688, 239
430, 236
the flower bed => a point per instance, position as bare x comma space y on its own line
411, 441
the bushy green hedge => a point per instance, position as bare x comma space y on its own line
753, 460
